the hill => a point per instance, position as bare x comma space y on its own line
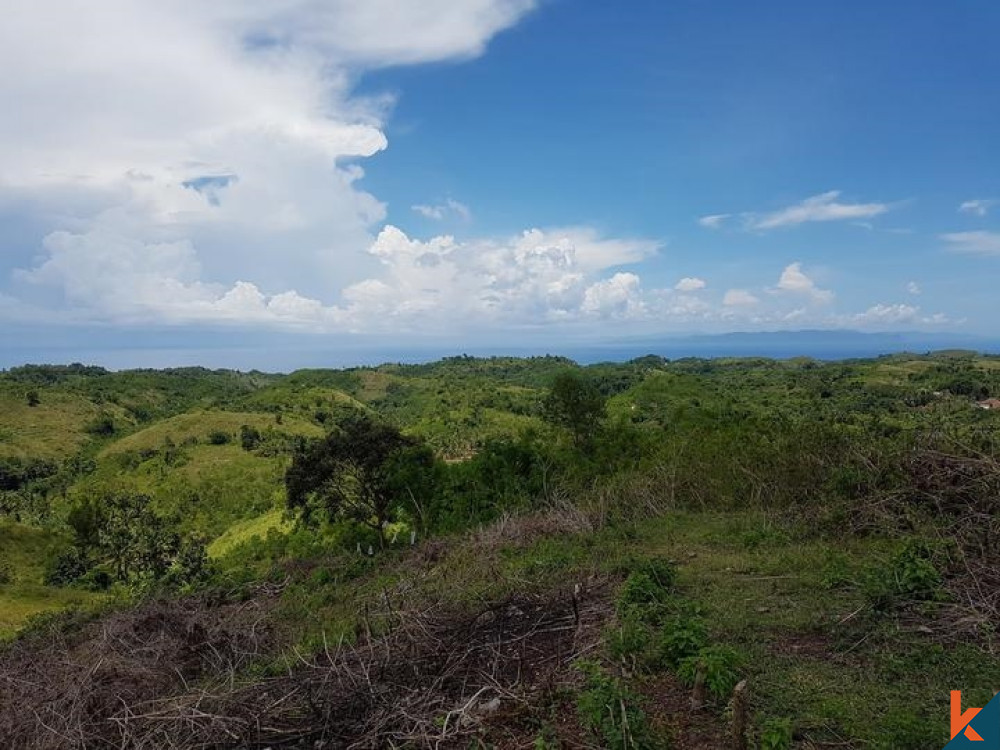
558, 541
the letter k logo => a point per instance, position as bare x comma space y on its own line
960, 721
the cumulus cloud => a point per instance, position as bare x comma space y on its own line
208, 143
914, 288
739, 298
794, 281
978, 207
690, 284
449, 209
973, 243
888, 314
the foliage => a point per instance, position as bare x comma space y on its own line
219, 437
363, 470
648, 586
576, 403
718, 664
910, 574
776, 734
611, 712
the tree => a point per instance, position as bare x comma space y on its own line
576, 403
250, 437
359, 471
33, 399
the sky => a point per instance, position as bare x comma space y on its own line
176, 174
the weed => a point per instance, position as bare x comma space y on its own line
611, 712
776, 734
909, 575
720, 666
681, 637
648, 585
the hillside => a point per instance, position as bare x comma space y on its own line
583, 538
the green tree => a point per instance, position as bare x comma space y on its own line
576, 403
33, 399
357, 471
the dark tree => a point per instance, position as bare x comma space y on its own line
356, 471
33, 399
576, 403
250, 437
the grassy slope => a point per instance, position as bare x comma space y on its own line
198, 425
777, 597
54, 429
23, 549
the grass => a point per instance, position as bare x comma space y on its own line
53, 429
198, 425
24, 549
243, 532
769, 593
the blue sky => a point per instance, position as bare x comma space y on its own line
476, 171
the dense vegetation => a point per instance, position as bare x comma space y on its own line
649, 534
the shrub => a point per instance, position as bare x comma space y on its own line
909, 575
648, 586
219, 437
67, 567
629, 640
776, 734
681, 637
720, 666
33, 399
250, 437
6, 572
611, 712
103, 425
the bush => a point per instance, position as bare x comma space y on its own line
910, 575
776, 734
67, 567
611, 712
6, 572
648, 586
718, 664
103, 425
219, 437
681, 637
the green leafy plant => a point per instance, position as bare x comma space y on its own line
718, 664
611, 712
776, 734
680, 638
648, 585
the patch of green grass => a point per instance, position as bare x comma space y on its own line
791, 606
243, 532
198, 425
24, 550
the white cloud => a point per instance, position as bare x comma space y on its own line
209, 143
887, 314
978, 207
974, 243
794, 280
739, 298
914, 288
618, 297
823, 207
714, 221
441, 211
690, 284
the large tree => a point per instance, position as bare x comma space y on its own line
576, 403
361, 470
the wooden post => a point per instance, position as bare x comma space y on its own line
741, 717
